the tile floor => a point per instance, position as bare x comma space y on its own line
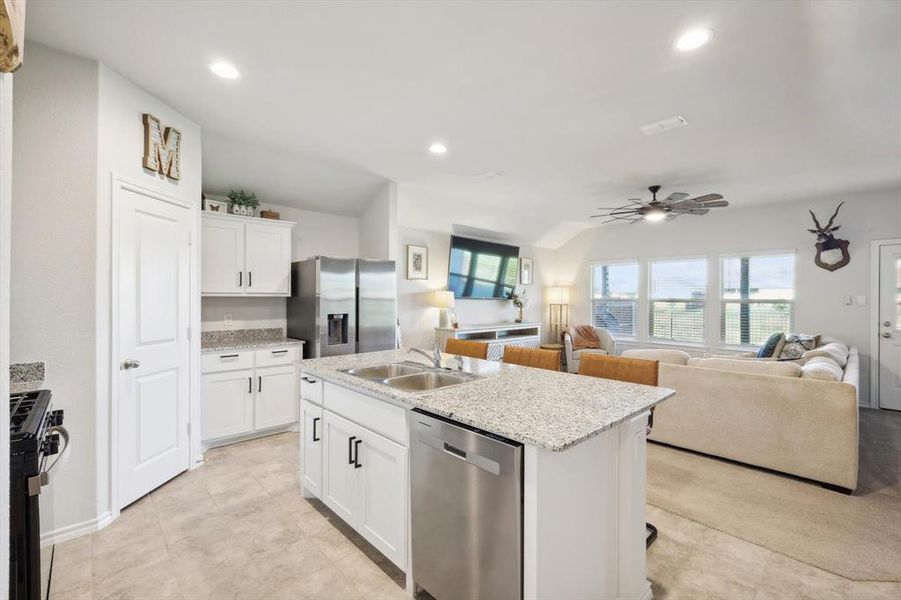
237, 528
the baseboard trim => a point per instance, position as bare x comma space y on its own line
70, 532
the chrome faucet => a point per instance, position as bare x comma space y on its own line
435, 357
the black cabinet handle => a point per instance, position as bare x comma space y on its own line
240, 278
357, 463
350, 449
315, 420
228, 356
279, 351
259, 384
249, 278
250, 385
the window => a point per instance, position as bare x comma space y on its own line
614, 298
758, 295
676, 293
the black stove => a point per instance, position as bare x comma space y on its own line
34, 435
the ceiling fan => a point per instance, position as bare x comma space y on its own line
677, 203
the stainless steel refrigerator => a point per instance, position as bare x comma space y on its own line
343, 305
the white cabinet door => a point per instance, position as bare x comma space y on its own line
277, 396
339, 477
311, 443
227, 403
268, 260
222, 258
382, 512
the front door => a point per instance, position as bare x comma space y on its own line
153, 355
889, 380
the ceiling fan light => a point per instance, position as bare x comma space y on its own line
655, 215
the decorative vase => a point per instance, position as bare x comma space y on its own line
236, 209
518, 318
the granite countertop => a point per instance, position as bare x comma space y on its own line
237, 345
547, 409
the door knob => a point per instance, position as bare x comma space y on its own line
130, 363
886, 323
886, 334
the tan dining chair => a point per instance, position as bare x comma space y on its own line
468, 348
631, 370
532, 357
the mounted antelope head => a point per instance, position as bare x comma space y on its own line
832, 253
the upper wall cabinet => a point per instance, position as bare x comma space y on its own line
245, 256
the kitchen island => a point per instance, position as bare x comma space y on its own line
583, 462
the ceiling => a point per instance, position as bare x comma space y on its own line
788, 100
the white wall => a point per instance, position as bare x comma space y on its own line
414, 297
54, 219
6, 123
121, 105
77, 122
819, 304
378, 225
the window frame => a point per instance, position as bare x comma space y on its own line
724, 302
649, 301
636, 301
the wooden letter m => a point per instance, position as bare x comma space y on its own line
162, 148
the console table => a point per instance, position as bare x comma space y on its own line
496, 335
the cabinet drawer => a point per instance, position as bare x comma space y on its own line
311, 388
379, 416
267, 357
226, 361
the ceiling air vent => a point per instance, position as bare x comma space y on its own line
663, 125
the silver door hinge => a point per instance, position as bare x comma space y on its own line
189, 334
189, 429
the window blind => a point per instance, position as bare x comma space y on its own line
614, 298
676, 298
757, 297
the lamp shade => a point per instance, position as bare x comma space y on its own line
443, 299
558, 295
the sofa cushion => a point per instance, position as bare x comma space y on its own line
837, 351
769, 347
822, 367
797, 344
674, 357
577, 355
760, 367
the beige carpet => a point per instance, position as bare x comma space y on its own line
857, 537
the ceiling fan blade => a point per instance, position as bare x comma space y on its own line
698, 200
635, 201
692, 211
676, 196
715, 204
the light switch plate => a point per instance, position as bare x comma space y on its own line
861, 301
848, 301
227, 319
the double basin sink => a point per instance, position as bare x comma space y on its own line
412, 377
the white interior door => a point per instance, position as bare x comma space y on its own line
153, 352
890, 326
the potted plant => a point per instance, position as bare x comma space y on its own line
242, 203
518, 298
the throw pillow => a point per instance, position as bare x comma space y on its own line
769, 347
797, 344
823, 368
834, 350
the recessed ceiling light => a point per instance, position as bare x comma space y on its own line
224, 70
438, 148
693, 39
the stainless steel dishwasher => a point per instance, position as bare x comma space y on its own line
467, 511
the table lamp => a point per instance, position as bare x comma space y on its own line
444, 300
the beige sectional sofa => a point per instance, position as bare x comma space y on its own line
797, 418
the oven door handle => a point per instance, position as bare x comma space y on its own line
64, 433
